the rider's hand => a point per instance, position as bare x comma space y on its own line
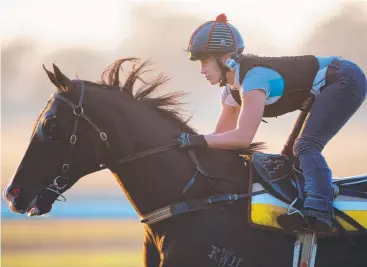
190, 140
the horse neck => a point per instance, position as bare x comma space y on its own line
152, 181
157, 180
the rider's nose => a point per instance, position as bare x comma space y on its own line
12, 193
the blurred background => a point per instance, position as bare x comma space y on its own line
97, 226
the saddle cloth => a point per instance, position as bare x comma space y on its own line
276, 174
265, 209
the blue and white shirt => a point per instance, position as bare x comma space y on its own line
270, 81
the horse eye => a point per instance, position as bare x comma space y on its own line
51, 129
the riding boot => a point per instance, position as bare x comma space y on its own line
317, 211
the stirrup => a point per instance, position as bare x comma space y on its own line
294, 211
294, 219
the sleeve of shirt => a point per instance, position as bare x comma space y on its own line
227, 98
256, 78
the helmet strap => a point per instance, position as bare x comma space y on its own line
223, 69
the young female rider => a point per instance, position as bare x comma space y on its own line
272, 86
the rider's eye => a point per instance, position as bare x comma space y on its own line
52, 129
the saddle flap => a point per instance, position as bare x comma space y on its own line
276, 172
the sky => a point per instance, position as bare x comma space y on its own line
83, 37
60, 23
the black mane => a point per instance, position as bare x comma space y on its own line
168, 105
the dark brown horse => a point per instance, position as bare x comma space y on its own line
89, 126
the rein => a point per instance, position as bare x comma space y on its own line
139, 155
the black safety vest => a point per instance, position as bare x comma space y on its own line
298, 73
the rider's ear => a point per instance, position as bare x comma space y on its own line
51, 76
64, 82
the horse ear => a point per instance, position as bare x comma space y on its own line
51, 76
64, 82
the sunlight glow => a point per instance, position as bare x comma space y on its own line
102, 23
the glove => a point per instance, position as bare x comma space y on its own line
191, 140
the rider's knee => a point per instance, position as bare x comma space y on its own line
307, 144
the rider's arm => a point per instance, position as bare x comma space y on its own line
248, 122
255, 89
228, 118
230, 110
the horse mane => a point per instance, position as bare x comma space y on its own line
168, 105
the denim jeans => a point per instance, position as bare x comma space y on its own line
332, 108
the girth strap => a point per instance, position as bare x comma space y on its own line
193, 205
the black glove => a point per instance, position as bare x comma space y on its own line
190, 140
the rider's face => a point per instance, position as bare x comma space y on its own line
210, 69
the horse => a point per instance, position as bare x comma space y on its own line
88, 126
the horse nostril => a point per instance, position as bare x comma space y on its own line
13, 193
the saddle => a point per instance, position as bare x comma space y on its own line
284, 183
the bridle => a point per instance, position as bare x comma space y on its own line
61, 181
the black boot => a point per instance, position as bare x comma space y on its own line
307, 219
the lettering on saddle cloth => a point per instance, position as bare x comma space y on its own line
224, 258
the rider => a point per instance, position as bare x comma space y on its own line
255, 87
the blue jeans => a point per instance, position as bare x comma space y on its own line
332, 108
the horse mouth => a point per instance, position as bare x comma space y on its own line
38, 207
40, 204
32, 209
